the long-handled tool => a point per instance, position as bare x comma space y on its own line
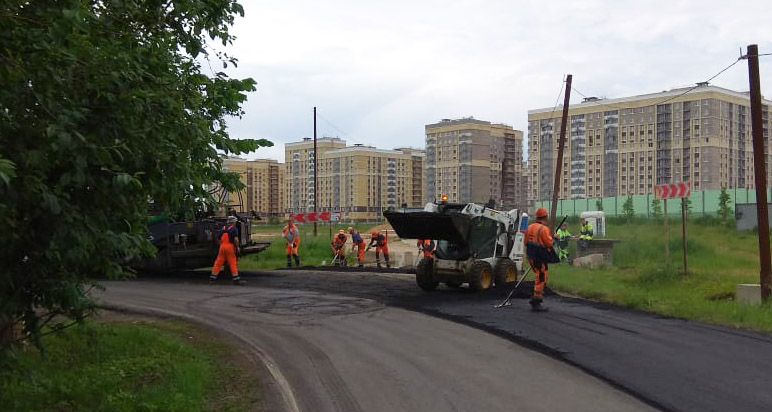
508, 300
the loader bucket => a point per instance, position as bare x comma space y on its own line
452, 227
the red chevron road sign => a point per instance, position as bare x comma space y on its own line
316, 217
672, 191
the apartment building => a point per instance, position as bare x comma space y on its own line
360, 181
625, 146
299, 171
472, 160
264, 193
417, 158
363, 181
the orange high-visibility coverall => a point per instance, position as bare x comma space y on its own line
538, 234
291, 235
359, 243
381, 241
227, 252
338, 245
426, 247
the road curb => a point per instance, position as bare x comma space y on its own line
281, 387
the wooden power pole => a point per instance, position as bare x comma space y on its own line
561, 146
760, 171
316, 179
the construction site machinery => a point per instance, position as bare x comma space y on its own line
192, 244
475, 244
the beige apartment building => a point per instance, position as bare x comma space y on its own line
299, 171
472, 160
360, 181
625, 146
264, 193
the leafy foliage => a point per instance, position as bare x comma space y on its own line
103, 105
628, 210
724, 202
656, 208
599, 204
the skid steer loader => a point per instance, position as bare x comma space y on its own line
475, 244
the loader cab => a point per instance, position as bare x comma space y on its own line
480, 241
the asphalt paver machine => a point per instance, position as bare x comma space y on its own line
475, 244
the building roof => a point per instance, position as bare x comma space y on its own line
665, 95
326, 139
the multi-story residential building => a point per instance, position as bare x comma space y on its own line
472, 160
360, 181
627, 145
264, 193
418, 157
299, 171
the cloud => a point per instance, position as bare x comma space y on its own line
379, 71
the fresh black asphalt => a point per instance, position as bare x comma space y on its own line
672, 364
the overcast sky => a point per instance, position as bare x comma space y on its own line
379, 71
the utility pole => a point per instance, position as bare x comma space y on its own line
316, 179
561, 145
760, 171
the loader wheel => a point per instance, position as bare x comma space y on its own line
424, 276
505, 272
481, 276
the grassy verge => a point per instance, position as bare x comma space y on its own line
719, 259
137, 365
312, 251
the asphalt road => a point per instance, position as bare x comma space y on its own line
336, 342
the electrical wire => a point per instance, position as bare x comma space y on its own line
601, 103
332, 125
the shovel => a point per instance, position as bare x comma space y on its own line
508, 300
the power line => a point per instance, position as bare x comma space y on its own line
332, 125
601, 103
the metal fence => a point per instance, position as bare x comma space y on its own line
702, 203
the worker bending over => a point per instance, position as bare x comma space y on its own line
426, 246
538, 246
292, 237
339, 247
381, 243
228, 237
359, 244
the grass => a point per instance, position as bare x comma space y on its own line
140, 366
312, 251
718, 259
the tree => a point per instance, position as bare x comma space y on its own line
104, 105
599, 204
628, 210
656, 208
724, 202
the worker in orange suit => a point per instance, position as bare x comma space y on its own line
381, 243
339, 247
359, 244
228, 237
292, 237
426, 246
538, 245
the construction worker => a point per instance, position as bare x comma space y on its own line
339, 247
426, 246
228, 237
585, 234
359, 244
292, 237
381, 243
538, 246
562, 235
